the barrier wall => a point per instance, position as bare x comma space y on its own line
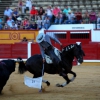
25, 50
13, 50
92, 50
72, 36
14, 36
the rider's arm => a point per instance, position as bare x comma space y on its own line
52, 36
42, 51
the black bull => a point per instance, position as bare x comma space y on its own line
6, 68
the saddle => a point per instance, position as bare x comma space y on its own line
57, 53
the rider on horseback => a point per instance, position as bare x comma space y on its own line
46, 46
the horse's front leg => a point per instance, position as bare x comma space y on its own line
65, 76
74, 76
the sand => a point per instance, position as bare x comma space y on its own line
86, 86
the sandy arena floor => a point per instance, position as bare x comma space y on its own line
86, 86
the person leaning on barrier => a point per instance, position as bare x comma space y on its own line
44, 42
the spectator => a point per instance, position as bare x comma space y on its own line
27, 26
92, 16
98, 21
46, 22
98, 18
59, 18
19, 22
55, 11
33, 13
15, 14
41, 12
86, 19
0, 20
14, 26
9, 21
33, 25
24, 39
66, 10
39, 23
6, 27
1, 27
49, 13
20, 5
78, 17
71, 18
28, 5
25, 22
7, 14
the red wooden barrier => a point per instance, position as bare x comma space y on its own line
92, 50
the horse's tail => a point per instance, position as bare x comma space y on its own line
22, 67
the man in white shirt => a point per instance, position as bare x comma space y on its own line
28, 4
9, 22
7, 13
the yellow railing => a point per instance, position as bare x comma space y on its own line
13, 36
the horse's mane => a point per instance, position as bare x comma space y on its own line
68, 47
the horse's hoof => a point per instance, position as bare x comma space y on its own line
40, 91
48, 83
58, 85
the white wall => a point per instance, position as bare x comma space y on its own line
95, 34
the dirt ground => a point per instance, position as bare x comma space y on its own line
86, 86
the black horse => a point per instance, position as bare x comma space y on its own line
34, 64
6, 68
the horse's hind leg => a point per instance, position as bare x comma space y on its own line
74, 75
47, 82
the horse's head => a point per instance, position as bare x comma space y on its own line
79, 53
74, 50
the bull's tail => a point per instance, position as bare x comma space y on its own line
22, 67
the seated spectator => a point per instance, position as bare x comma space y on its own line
86, 18
19, 22
78, 17
1, 26
39, 23
41, 12
15, 14
98, 19
98, 22
14, 26
7, 14
28, 5
33, 13
66, 10
56, 11
59, 18
46, 22
0, 20
9, 21
49, 13
25, 22
24, 39
71, 18
6, 27
27, 26
20, 5
33, 25
92, 16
